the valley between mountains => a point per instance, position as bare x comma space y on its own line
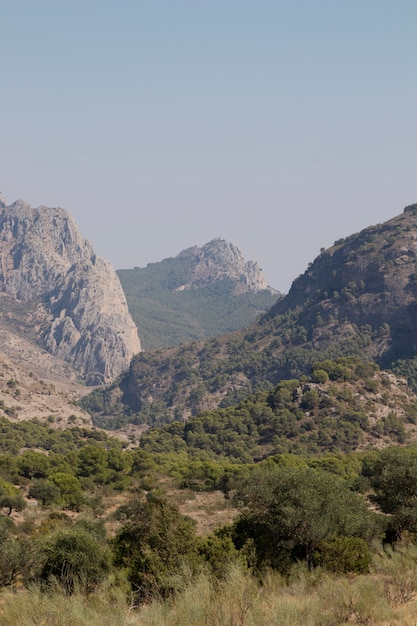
184, 426
358, 298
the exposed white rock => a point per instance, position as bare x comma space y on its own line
220, 259
79, 308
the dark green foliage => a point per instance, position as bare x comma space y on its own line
168, 315
10, 497
290, 511
92, 463
408, 369
71, 496
182, 380
14, 554
80, 453
394, 478
319, 376
218, 551
45, 491
343, 555
152, 544
75, 559
297, 416
33, 464
35, 434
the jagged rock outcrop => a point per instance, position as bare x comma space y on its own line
201, 292
368, 280
359, 297
219, 259
79, 311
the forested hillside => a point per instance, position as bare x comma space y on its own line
200, 293
97, 531
278, 485
357, 298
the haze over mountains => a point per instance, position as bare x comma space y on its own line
359, 297
202, 292
64, 316
64, 320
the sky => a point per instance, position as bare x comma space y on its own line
161, 124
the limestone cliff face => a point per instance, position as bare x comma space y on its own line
220, 259
79, 309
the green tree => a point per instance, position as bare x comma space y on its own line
11, 497
75, 559
14, 554
45, 491
343, 555
152, 545
33, 464
70, 488
319, 376
394, 479
219, 551
92, 463
289, 511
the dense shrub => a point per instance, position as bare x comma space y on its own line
75, 559
343, 555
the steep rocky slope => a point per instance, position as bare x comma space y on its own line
358, 297
202, 292
367, 279
75, 306
217, 260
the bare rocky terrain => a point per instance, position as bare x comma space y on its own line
33, 384
218, 259
64, 297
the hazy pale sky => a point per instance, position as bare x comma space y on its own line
160, 124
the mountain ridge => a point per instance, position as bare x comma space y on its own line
199, 293
359, 297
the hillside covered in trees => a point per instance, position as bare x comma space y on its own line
357, 298
271, 479
88, 523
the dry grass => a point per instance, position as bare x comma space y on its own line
210, 510
308, 599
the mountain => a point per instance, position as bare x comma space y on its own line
359, 297
57, 293
202, 292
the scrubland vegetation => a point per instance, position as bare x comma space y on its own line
321, 530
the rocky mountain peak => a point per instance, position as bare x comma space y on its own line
358, 297
79, 309
366, 282
219, 259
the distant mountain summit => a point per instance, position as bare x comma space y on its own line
202, 292
219, 260
77, 310
358, 297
